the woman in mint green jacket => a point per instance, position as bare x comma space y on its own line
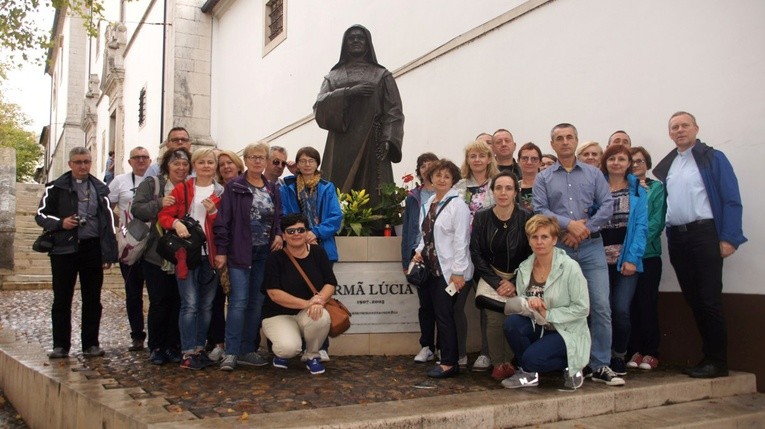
553, 285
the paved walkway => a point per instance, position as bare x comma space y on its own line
210, 393
207, 393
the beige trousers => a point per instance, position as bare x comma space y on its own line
499, 348
287, 333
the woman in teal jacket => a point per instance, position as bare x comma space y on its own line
644, 338
316, 199
624, 240
553, 285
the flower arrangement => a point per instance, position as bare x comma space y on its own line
357, 218
392, 196
361, 220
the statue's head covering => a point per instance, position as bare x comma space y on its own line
370, 56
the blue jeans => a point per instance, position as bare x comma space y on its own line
197, 291
245, 303
592, 260
537, 350
622, 291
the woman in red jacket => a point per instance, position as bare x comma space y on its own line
198, 197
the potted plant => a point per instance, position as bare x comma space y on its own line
357, 218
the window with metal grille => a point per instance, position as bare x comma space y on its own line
142, 107
274, 18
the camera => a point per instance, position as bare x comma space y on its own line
80, 221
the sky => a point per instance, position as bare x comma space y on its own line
29, 86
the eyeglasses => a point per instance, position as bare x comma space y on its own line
82, 162
293, 231
180, 140
278, 163
529, 159
638, 162
259, 158
307, 161
140, 157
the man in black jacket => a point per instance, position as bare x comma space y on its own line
76, 208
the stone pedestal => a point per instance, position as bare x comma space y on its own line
372, 285
7, 206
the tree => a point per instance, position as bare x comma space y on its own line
20, 33
13, 134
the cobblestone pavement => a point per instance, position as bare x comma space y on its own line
212, 393
9, 418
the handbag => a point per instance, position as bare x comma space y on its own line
133, 238
520, 305
340, 317
170, 242
417, 274
487, 298
44, 243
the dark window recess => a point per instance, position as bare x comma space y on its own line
275, 10
142, 107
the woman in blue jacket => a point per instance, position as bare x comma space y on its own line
410, 237
624, 240
316, 199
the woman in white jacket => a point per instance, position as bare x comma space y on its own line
444, 247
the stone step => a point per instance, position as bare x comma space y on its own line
743, 411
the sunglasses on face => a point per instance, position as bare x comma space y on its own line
279, 163
293, 231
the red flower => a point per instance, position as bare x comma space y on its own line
407, 178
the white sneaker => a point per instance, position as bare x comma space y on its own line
323, 356
482, 363
216, 354
424, 355
462, 362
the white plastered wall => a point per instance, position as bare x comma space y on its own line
601, 65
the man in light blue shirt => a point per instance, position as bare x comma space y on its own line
578, 196
704, 217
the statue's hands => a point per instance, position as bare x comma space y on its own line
381, 153
364, 89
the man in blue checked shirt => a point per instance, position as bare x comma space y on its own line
578, 195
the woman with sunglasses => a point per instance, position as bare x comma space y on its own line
293, 314
246, 231
316, 199
161, 284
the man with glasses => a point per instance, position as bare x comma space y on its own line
121, 193
75, 208
277, 162
704, 226
177, 138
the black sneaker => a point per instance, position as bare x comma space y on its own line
607, 376
58, 353
618, 366
158, 357
174, 355
192, 361
587, 372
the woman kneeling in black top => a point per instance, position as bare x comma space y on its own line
292, 312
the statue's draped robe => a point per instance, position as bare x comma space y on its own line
357, 125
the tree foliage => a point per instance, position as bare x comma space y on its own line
20, 33
13, 134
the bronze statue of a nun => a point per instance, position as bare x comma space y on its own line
360, 106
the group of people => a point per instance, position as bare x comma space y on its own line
268, 245
567, 253
566, 246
